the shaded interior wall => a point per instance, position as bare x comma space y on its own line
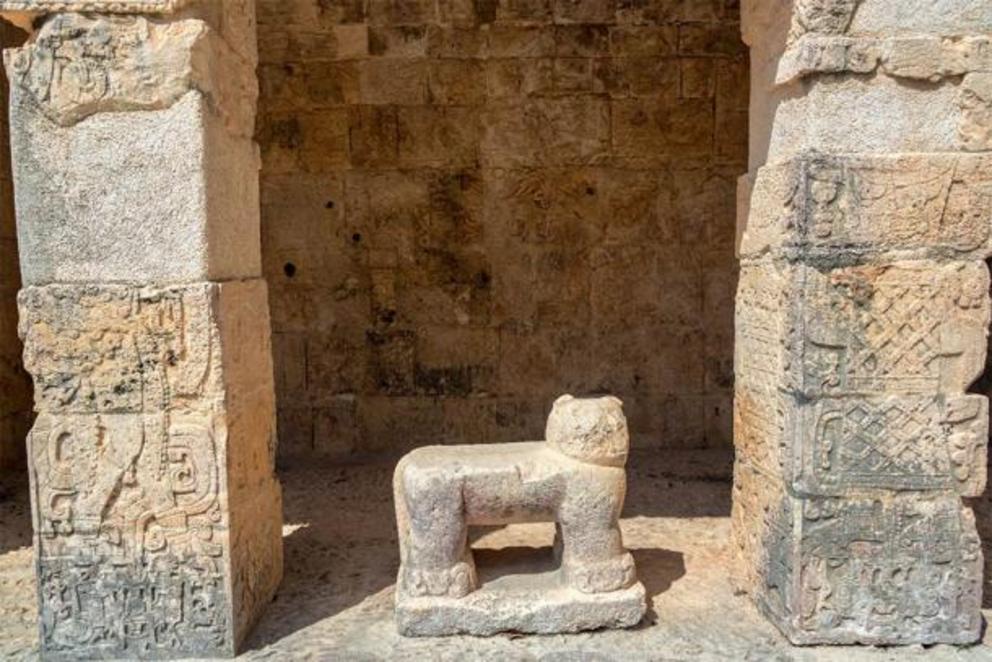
470, 207
15, 385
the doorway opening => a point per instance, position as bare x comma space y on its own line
469, 209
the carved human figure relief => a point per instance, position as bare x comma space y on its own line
576, 478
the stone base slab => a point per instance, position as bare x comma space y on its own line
531, 602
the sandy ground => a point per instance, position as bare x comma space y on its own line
336, 600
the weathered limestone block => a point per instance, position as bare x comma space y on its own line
875, 568
575, 478
975, 102
104, 6
821, 16
819, 207
913, 17
926, 58
831, 75
841, 114
855, 435
107, 195
78, 65
157, 514
834, 445
904, 328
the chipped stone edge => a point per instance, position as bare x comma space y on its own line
208, 65
433, 616
923, 58
98, 6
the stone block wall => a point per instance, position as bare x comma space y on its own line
15, 385
469, 208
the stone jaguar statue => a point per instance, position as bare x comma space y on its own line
575, 478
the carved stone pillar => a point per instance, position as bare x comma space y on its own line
145, 323
862, 317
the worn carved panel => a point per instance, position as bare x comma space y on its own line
131, 534
892, 442
824, 207
903, 328
128, 469
117, 349
888, 569
96, 6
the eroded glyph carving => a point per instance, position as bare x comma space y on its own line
104, 6
129, 470
130, 533
821, 207
77, 65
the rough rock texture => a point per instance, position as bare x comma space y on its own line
15, 385
157, 514
471, 207
862, 316
157, 223
576, 479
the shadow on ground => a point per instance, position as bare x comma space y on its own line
341, 549
15, 514
340, 546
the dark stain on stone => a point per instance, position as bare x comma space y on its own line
485, 10
454, 381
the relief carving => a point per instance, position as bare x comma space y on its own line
130, 533
894, 443
112, 349
127, 473
903, 568
821, 207
904, 328
95, 6
81, 64
930, 58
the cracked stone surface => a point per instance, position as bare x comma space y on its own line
336, 601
